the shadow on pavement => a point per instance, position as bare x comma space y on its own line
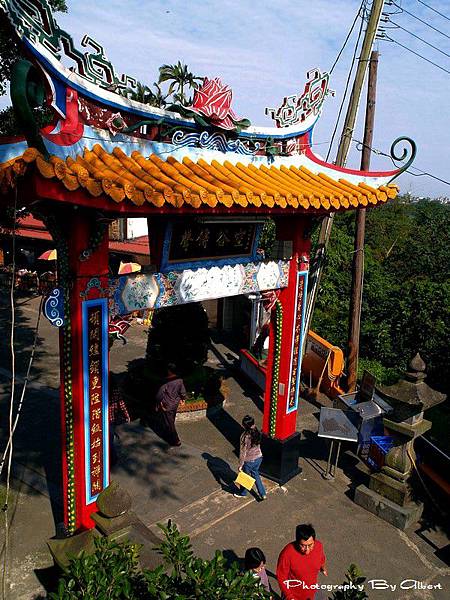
221, 471
227, 426
36, 455
48, 578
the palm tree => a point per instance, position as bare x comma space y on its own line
141, 93
156, 98
180, 77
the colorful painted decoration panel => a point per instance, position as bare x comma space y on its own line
298, 107
143, 291
54, 307
297, 342
214, 141
95, 380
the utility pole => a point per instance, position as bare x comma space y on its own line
344, 145
360, 227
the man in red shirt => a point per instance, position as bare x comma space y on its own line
299, 564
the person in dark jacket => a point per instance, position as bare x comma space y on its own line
168, 397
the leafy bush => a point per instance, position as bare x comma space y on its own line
383, 375
351, 588
112, 573
190, 577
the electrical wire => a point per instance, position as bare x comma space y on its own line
419, 19
25, 383
434, 10
388, 38
358, 14
419, 38
423, 173
347, 83
11, 405
360, 145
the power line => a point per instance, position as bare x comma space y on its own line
11, 405
25, 383
358, 14
360, 145
347, 83
422, 173
434, 10
419, 38
386, 37
419, 19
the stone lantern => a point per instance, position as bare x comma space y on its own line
389, 494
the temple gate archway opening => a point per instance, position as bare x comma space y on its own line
206, 180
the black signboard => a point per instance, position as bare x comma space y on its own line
202, 241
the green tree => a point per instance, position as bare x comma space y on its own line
180, 78
10, 52
406, 299
8, 121
10, 49
146, 95
157, 97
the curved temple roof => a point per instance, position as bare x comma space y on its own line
171, 162
206, 184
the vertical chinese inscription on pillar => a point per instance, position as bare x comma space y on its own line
297, 342
95, 376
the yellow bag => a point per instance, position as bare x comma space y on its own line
245, 480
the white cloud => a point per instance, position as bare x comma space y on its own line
263, 50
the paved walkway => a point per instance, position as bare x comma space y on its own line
190, 484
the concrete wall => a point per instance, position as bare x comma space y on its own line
136, 227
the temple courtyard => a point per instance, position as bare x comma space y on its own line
190, 484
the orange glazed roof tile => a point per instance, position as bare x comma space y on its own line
138, 180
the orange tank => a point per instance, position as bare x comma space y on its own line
324, 363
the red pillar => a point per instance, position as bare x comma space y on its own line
82, 244
284, 358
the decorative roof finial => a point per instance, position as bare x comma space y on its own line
416, 369
417, 363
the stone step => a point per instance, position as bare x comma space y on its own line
206, 512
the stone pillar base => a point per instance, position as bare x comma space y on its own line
399, 492
401, 517
280, 462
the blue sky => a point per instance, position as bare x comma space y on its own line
263, 50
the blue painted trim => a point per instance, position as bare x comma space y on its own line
85, 92
300, 274
105, 390
53, 308
207, 263
277, 136
146, 115
87, 446
103, 303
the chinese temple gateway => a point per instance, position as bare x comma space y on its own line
205, 180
